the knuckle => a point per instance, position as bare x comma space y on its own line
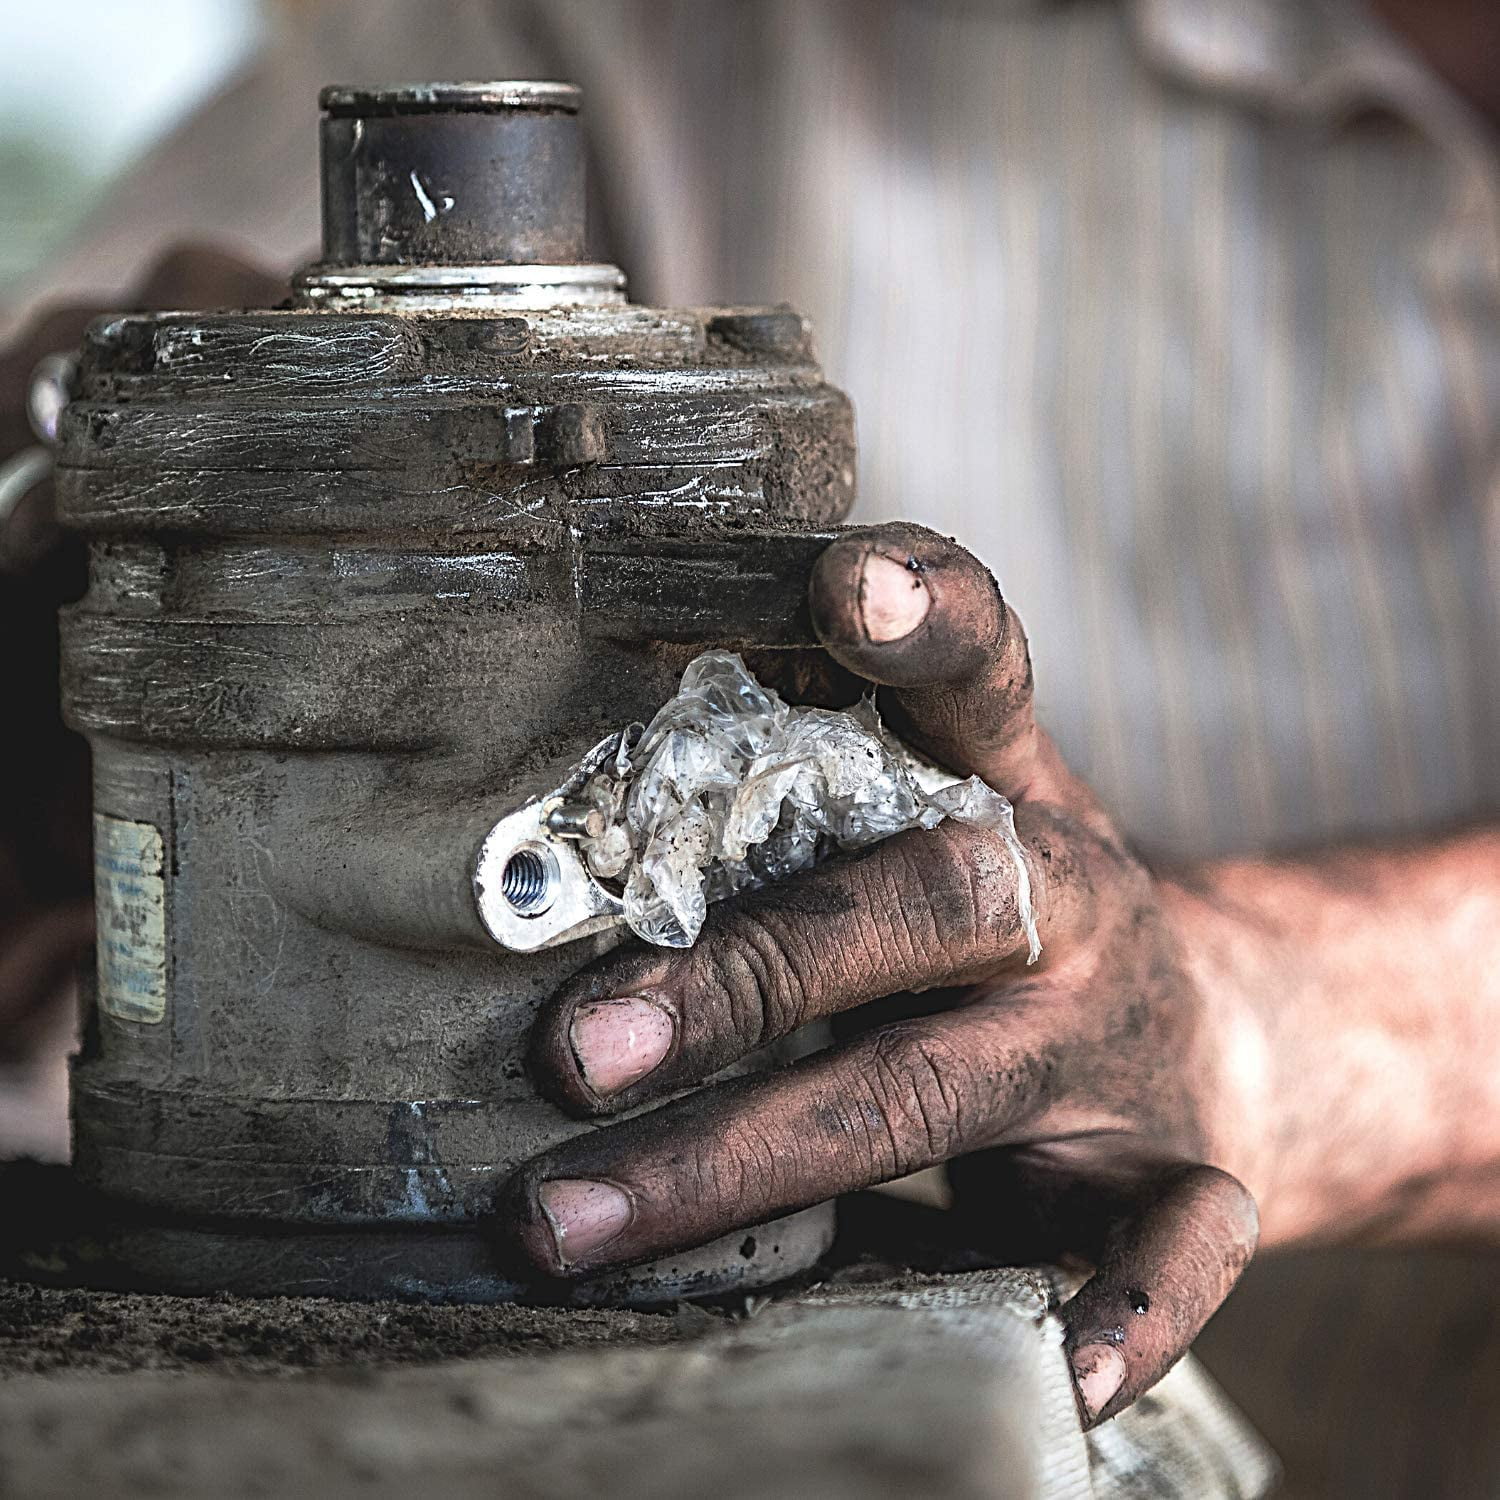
923, 1093
890, 927
1229, 1206
969, 878
753, 981
726, 1176
745, 1168
932, 892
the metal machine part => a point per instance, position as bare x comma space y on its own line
532, 887
363, 568
47, 397
442, 196
728, 789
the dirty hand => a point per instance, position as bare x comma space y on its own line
1094, 1082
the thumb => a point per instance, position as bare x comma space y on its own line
914, 612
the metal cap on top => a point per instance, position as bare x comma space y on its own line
487, 174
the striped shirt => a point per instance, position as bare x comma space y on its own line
1183, 314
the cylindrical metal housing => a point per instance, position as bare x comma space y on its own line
453, 174
359, 577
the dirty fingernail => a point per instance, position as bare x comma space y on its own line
893, 600
617, 1042
1099, 1370
583, 1215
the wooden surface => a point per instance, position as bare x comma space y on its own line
1375, 1376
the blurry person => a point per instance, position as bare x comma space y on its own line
1183, 316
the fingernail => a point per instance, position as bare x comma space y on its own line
1099, 1370
893, 600
583, 1214
619, 1041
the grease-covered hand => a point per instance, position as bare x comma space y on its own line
1091, 1086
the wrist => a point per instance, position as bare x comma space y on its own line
1352, 1060
1226, 964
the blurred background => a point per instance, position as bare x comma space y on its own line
86, 89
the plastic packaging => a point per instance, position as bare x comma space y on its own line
729, 788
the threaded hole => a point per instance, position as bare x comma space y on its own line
528, 881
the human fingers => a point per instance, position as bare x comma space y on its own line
921, 910
752, 1149
915, 612
1166, 1270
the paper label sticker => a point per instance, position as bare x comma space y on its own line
130, 902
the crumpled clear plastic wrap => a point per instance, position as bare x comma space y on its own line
729, 788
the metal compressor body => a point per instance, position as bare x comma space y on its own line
363, 570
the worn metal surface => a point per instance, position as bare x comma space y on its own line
362, 568
453, 174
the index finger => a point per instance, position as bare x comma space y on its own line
923, 909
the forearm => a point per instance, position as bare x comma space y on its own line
1355, 999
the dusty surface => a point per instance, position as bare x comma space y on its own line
865, 1379
43, 1330
72, 1330
914, 1388
843, 1400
